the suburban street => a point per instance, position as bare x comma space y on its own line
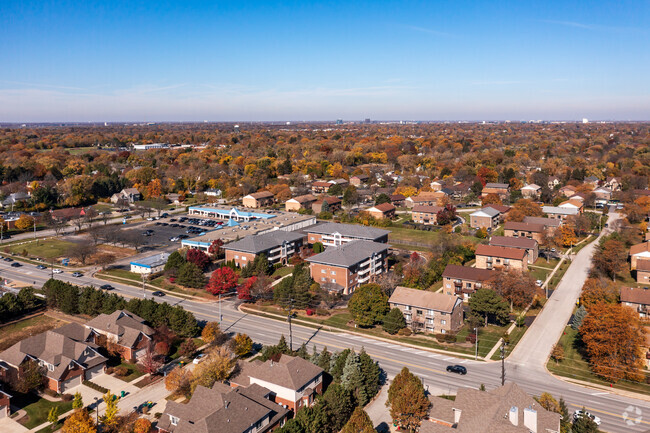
525, 366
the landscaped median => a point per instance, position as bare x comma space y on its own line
342, 321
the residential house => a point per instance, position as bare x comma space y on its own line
424, 198
340, 181
459, 190
150, 265
397, 200
500, 189
300, 202
639, 252
5, 404
128, 195
592, 181
613, 183
507, 409
293, 381
638, 299
359, 179
530, 245
487, 218
333, 205
463, 281
16, 197
493, 257
258, 199
335, 234
603, 195
382, 211
573, 204
643, 271
278, 246
502, 208
525, 230
553, 181
346, 267
128, 332
427, 311
320, 186
559, 213
551, 224
567, 190
68, 213
425, 214
174, 198
67, 355
531, 191
212, 192
438, 185
222, 409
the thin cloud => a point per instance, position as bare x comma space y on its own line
48, 86
593, 27
429, 31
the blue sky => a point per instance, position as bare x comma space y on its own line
261, 60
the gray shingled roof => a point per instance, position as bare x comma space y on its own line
424, 299
290, 372
348, 254
126, 325
256, 244
549, 222
350, 230
489, 211
508, 241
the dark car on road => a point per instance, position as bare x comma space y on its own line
8, 259
158, 293
41, 267
458, 369
16, 265
106, 287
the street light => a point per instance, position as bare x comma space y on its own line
97, 409
476, 338
220, 315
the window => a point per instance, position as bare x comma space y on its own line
444, 322
323, 279
443, 331
418, 312
236, 256
469, 285
407, 308
506, 261
333, 272
243, 258
334, 280
173, 420
311, 238
50, 367
323, 271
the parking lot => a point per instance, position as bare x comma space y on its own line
171, 231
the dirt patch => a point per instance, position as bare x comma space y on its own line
12, 334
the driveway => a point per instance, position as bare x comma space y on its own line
8, 425
114, 384
535, 346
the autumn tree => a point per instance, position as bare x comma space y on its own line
77, 403
222, 280
154, 189
79, 422
516, 287
30, 377
198, 257
523, 208
149, 362
490, 199
609, 258
178, 381
25, 222
566, 236
244, 291
211, 332
368, 305
53, 416
598, 290
218, 366
557, 353
215, 248
109, 419
142, 425
613, 336
549, 403
407, 401
187, 347
359, 422
242, 344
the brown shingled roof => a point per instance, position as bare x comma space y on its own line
509, 241
640, 248
427, 209
384, 207
424, 299
459, 272
502, 252
529, 227
290, 372
635, 295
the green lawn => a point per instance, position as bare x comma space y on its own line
37, 408
405, 235
45, 249
281, 272
133, 372
541, 262
575, 366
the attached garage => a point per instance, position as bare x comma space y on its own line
70, 383
140, 353
3, 411
93, 372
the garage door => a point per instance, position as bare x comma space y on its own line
91, 373
70, 383
140, 353
3, 411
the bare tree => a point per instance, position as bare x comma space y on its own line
143, 208
105, 259
95, 234
88, 218
105, 216
81, 251
134, 239
159, 205
79, 222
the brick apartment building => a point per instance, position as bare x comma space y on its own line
492, 257
463, 281
426, 311
278, 246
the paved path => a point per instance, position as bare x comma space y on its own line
535, 346
377, 410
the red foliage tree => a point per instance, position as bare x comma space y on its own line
222, 280
198, 257
162, 348
215, 247
244, 291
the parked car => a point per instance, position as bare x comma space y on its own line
158, 293
458, 369
174, 239
199, 358
150, 219
41, 267
578, 413
77, 274
8, 259
15, 265
106, 287
539, 283
57, 271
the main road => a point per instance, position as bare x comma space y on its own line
524, 366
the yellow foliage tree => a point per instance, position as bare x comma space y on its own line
142, 425
25, 222
154, 189
217, 367
110, 414
178, 381
79, 422
211, 332
567, 235
242, 344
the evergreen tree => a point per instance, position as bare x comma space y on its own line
584, 424
340, 403
190, 275
565, 422
302, 352
371, 376
262, 265
394, 321
282, 346
175, 261
314, 356
337, 364
359, 423
368, 305
77, 403
578, 317
351, 377
324, 360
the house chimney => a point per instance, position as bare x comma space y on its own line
457, 413
513, 415
530, 419
226, 403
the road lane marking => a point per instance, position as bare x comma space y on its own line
616, 415
599, 393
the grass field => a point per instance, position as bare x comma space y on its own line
575, 366
403, 235
37, 408
18, 331
45, 249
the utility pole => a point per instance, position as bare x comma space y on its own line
476, 338
144, 293
503, 362
221, 315
289, 318
34, 223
